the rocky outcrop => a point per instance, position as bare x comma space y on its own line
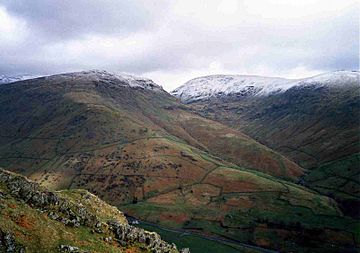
126, 233
36, 196
75, 214
68, 248
8, 243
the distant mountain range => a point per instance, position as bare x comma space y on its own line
10, 79
217, 165
206, 87
313, 121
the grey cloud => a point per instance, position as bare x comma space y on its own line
145, 37
69, 18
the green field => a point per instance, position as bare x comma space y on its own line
157, 160
196, 243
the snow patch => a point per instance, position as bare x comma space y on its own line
94, 75
108, 77
11, 79
202, 88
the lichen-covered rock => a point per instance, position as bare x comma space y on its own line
128, 234
108, 239
58, 208
8, 243
66, 208
68, 248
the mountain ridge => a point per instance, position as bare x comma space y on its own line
91, 89
315, 123
157, 160
75, 221
4, 79
95, 74
206, 87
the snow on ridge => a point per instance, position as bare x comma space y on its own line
333, 78
11, 79
244, 85
135, 81
119, 79
214, 85
91, 75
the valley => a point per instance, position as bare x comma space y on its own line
207, 126
191, 167
312, 121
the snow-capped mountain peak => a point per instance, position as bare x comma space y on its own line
94, 75
10, 79
205, 87
333, 78
111, 78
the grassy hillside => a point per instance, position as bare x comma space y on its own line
252, 208
315, 127
141, 150
70, 117
340, 180
309, 125
199, 243
35, 220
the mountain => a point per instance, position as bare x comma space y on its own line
313, 121
34, 219
77, 112
207, 87
134, 145
10, 79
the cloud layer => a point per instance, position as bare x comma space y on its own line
173, 41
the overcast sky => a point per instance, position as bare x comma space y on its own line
173, 41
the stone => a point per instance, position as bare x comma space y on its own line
108, 239
98, 230
53, 216
75, 215
70, 214
8, 243
152, 241
68, 248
